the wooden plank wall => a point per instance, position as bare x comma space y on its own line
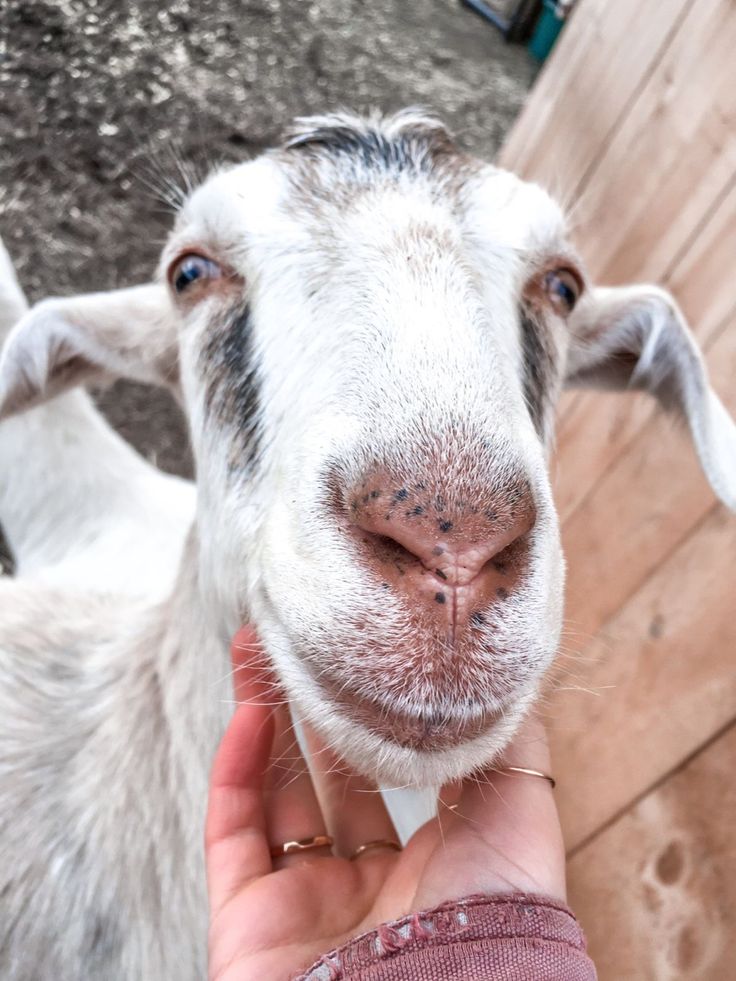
632, 124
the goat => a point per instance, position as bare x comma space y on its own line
368, 331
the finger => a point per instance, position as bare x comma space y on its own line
529, 747
235, 831
253, 678
515, 817
292, 809
353, 807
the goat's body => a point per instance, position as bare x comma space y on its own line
101, 794
106, 732
107, 725
89, 890
82, 509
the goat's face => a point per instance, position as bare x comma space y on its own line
370, 332
373, 336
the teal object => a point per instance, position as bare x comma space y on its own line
546, 32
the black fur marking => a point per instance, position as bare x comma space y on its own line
413, 148
231, 380
540, 369
7, 563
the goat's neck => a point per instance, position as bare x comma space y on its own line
193, 665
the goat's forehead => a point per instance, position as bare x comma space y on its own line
267, 202
235, 203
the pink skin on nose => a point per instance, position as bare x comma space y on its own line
450, 559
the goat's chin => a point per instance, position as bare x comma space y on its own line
391, 765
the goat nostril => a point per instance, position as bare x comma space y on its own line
387, 549
512, 556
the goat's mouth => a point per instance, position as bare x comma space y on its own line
398, 702
421, 749
427, 730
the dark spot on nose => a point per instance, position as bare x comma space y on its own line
670, 863
416, 511
477, 619
437, 550
445, 525
440, 573
500, 566
502, 593
366, 498
439, 597
688, 947
375, 494
491, 515
656, 627
401, 495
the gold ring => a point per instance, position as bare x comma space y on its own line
379, 843
528, 772
302, 845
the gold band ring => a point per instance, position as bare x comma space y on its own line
368, 846
528, 772
302, 845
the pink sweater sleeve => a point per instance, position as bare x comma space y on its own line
482, 938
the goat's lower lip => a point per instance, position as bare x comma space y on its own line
429, 731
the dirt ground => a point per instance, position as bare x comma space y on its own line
99, 99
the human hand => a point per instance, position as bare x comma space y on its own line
272, 917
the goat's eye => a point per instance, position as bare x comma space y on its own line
563, 288
190, 269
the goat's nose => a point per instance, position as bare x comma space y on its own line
452, 557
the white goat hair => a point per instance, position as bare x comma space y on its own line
364, 315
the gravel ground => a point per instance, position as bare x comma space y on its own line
100, 100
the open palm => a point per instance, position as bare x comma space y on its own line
271, 918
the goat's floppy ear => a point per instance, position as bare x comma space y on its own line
636, 337
60, 343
